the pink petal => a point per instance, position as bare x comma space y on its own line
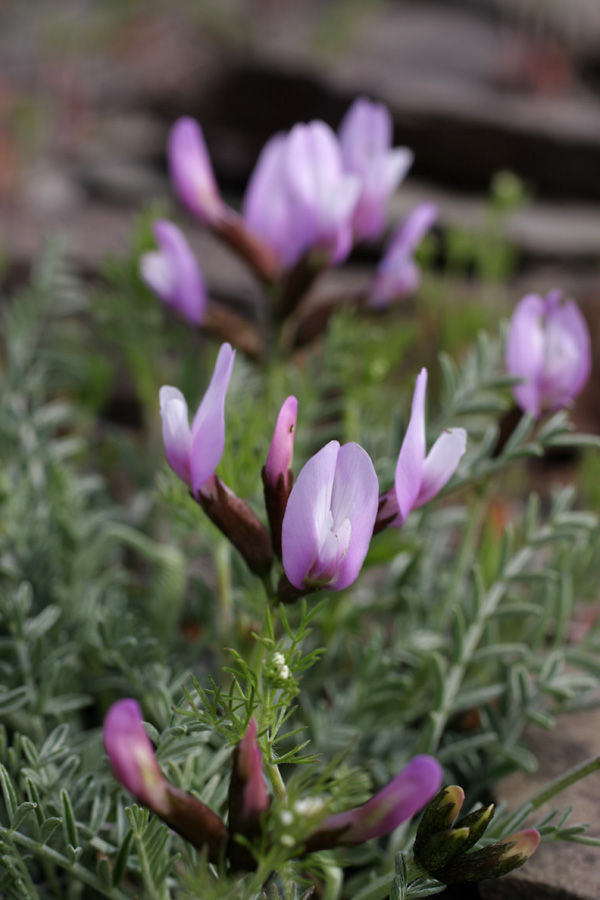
131, 754
355, 497
281, 451
191, 171
525, 351
306, 522
404, 796
250, 765
208, 427
409, 468
441, 463
176, 431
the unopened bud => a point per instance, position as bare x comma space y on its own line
440, 848
493, 861
438, 816
248, 797
277, 474
477, 822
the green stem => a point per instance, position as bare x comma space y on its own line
562, 782
473, 635
153, 892
223, 565
53, 856
274, 776
466, 552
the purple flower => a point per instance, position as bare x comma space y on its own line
549, 347
299, 198
191, 171
397, 273
132, 757
173, 274
194, 453
366, 142
281, 451
419, 477
404, 796
250, 768
329, 518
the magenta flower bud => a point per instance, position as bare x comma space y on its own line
191, 171
398, 274
173, 273
329, 518
132, 757
366, 143
549, 348
281, 451
194, 453
419, 477
250, 768
404, 796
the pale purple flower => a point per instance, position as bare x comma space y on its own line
173, 274
281, 451
191, 171
404, 796
267, 209
329, 518
366, 142
398, 274
419, 477
549, 348
132, 756
250, 769
194, 453
299, 198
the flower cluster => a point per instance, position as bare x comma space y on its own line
135, 765
322, 524
313, 194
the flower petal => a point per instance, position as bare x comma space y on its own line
181, 281
208, 427
404, 796
191, 171
281, 451
409, 468
355, 499
441, 463
176, 431
307, 519
525, 351
567, 358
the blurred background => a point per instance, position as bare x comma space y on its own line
499, 99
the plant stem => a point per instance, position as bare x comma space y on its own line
473, 635
274, 776
79, 871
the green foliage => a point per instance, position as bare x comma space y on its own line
456, 638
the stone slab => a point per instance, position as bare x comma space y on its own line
558, 870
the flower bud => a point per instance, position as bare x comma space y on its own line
493, 861
191, 171
277, 474
172, 272
132, 756
548, 347
248, 797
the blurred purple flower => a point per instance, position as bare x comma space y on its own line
329, 518
191, 171
194, 453
398, 274
366, 142
299, 198
419, 477
132, 756
173, 274
549, 347
404, 796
